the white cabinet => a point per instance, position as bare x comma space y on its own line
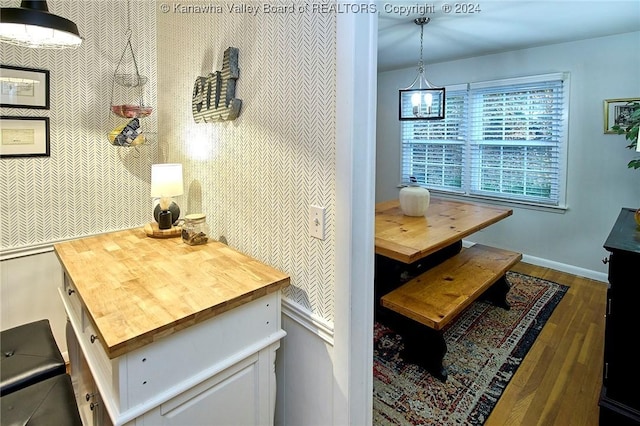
218, 371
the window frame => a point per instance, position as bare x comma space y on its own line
561, 146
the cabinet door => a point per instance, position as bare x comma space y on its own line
231, 398
100, 414
614, 362
92, 410
621, 368
81, 378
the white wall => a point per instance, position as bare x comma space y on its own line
29, 288
254, 177
598, 183
305, 383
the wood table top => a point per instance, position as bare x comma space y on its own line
407, 238
137, 289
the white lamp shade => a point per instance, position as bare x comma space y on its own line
166, 180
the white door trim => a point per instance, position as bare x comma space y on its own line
356, 81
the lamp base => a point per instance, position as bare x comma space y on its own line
165, 220
152, 230
173, 208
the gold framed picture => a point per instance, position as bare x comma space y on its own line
617, 112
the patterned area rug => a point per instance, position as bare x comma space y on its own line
486, 344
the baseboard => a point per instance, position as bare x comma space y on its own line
557, 266
25, 251
307, 319
563, 267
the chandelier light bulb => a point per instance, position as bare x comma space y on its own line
428, 99
415, 99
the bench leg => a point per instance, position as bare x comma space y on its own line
425, 347
497, 293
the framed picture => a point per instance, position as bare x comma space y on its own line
24, 87
24, 137
617, 111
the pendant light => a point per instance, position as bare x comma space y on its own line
31, 25
418, 102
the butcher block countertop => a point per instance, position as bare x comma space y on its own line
138, 289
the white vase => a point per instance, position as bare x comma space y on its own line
414, 200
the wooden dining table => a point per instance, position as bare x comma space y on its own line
408, 238
423, 281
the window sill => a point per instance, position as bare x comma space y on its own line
498, 202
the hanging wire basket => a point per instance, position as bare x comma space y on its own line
132, 82
127, 102
131, 111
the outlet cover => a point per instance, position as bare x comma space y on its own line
316, 222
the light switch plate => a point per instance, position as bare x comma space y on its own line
316, 222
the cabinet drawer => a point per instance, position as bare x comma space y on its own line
71, 295
93, 348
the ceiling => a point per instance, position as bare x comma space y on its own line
495, 26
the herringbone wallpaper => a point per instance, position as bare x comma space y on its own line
255, 177
86, 186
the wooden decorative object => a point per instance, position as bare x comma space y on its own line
152, 230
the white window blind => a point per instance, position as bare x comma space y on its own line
433, 151
501, 139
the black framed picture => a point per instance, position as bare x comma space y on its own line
24, 87
24, 137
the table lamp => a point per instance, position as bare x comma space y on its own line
166, 182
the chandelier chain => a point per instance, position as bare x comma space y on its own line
420, 63
421, 21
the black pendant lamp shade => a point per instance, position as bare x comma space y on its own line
32, 25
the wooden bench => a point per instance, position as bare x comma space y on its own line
437, 296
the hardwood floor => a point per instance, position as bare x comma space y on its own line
558, 382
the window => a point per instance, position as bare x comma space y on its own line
501, 139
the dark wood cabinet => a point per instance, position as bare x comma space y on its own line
620, 395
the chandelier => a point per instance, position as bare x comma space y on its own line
421, 100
